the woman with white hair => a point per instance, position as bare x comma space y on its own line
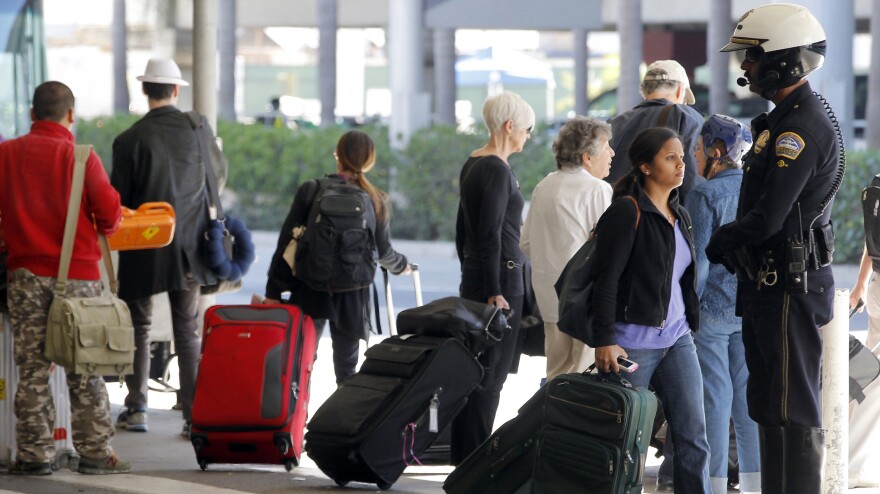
487, 235
565, 207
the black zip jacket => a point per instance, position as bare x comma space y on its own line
634, 268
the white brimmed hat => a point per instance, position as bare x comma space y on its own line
162, 71
670, 70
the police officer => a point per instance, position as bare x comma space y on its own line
776, 245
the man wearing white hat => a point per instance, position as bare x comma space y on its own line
158, 159
668, 96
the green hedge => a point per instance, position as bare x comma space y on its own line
847, 211
268, 164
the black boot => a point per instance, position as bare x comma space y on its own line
804, 459
773, 460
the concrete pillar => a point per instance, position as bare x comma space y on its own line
205, 59
327, 20
226, 42
835, 395
444, 76
410, 108
872, 112
629, 27
720, 26
120, 51
834, 80
581, 71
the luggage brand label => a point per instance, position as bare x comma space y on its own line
150, 232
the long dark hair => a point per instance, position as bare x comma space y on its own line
643, 149
357, 155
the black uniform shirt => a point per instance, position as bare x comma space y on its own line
794, 159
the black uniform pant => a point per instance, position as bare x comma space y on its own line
784, 349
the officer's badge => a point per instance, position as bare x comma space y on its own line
789, 145
782, 164
762, 141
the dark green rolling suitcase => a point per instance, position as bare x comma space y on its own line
584, 433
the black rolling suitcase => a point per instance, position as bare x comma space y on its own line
381, 419
584, 433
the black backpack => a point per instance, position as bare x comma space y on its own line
338, 251
871, 211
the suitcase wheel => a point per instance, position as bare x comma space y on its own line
384, 486
199, 441
282, 443
203, 464
341, 483
288, 465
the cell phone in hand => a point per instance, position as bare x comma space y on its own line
859, 305
627, 365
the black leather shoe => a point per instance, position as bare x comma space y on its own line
664, 485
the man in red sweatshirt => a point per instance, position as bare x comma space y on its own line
36, 172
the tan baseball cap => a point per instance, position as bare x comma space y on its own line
162, 71
670, 70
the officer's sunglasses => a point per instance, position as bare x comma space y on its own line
753, 54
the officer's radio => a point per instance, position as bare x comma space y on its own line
796, 267
796, 256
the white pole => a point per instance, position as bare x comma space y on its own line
835, 395
205, 60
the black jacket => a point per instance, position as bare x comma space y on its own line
634, 268
158, 159
683, 119
794, 161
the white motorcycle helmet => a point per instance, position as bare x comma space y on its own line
786, 38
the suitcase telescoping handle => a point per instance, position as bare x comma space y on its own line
389, 300
417, 284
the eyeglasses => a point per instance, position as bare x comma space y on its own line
753, 54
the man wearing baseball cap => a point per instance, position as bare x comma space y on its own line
158, 159
667, 93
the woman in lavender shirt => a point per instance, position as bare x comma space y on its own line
645, 301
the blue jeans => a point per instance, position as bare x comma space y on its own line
725, 375
674, 373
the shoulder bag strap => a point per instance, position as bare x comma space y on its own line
638, 210
81, 155
664, 115
215, 210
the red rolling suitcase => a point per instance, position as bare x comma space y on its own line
252, 391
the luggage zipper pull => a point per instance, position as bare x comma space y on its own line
433, 420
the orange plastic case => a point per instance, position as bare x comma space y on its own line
149, 227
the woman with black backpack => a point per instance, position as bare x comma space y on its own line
345, 220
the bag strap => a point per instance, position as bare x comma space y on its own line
664, 115
638, 210
215, 209
376, 306
81, 153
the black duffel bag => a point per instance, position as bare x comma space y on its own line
478, 326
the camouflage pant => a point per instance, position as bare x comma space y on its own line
29, 299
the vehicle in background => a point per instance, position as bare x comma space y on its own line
22, 63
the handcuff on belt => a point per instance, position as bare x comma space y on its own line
765, 276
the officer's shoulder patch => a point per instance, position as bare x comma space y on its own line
789, 145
